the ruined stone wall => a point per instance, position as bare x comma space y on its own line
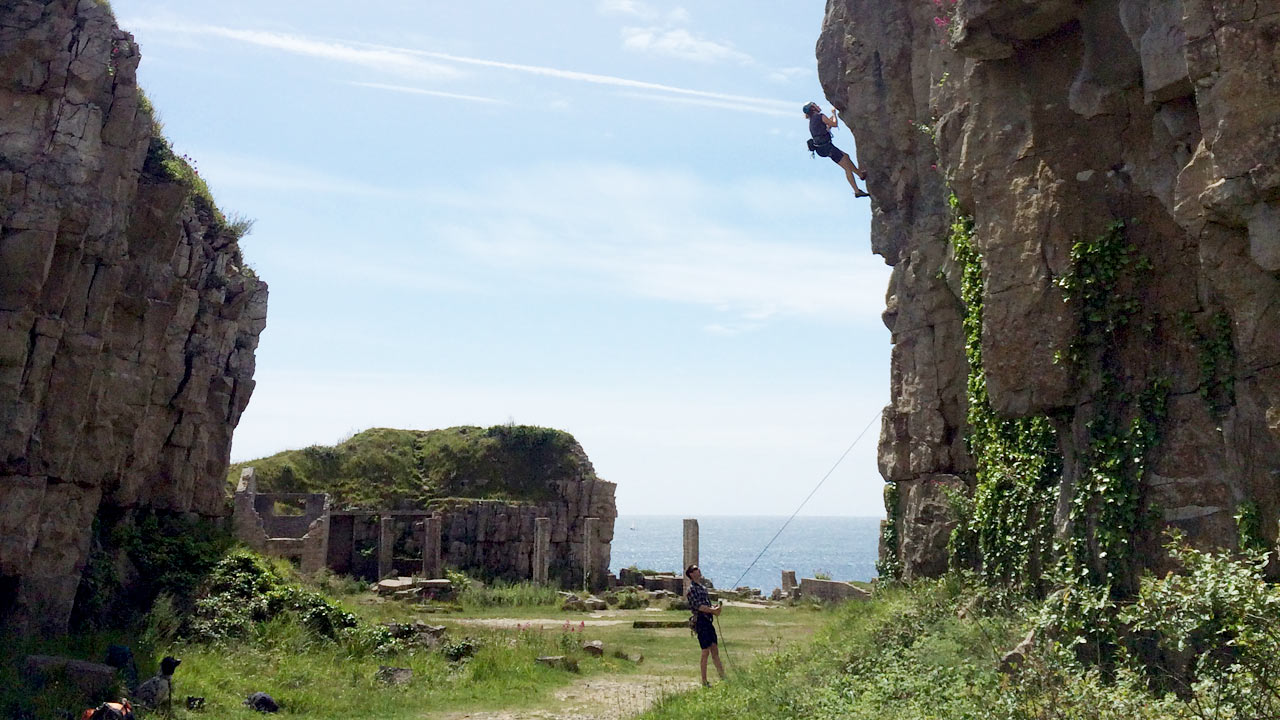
1049, 120
128, 322
498, 537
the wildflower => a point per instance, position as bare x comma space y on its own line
933, 167
940, 22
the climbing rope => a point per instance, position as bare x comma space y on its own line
807, 498
719, 631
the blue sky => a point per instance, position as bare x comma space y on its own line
597, 216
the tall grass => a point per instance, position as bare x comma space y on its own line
506, 594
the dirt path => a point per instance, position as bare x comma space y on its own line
596, 698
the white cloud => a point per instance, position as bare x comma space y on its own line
625, 7
788, 74
669, 236
678, 16
391, 60
407, 61
433, 93
718, 104
681, 44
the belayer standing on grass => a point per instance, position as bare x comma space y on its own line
702, 609
820, 128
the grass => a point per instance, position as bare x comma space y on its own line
315, 676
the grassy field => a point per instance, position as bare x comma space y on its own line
495, 674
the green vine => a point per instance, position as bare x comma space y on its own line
1097, 268
889, 564
1018, 463
1249, 529
1216, 360
1105, 513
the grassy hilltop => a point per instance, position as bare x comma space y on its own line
406, 469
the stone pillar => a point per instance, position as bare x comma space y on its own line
690, 547
589, 579
386, 544
788, 581
432, 565
541, 549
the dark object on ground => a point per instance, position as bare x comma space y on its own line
394, 675
195, 703
262, 702
159, 689
109, 711
594, 647
120, 657
92, 679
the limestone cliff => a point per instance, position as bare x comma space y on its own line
1053, 122
128, 320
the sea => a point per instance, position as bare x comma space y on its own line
844, 548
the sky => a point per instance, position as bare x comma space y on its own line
597, 216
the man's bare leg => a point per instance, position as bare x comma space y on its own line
715, 657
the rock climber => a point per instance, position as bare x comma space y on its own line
702, 609
820, 128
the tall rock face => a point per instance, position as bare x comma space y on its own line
1049, 121
128, 321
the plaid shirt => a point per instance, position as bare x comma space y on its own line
697, 597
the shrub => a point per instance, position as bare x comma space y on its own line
244, 591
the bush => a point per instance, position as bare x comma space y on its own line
244, 591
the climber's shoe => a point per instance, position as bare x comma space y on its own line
860, 194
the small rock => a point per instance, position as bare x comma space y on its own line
389, 675
594, 648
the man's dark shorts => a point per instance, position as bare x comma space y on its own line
706, 632
831, 151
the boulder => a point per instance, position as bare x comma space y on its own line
594, 648
92, 679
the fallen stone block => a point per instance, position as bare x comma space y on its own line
559, 661
390, 586
595, 648
831, 590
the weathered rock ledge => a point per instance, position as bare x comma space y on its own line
128, 320
1049, 120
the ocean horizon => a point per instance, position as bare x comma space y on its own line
843, 547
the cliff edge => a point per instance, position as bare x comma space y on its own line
128, 319
1115, 168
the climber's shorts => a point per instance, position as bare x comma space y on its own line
830, 151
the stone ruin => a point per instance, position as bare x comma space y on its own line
565, 541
